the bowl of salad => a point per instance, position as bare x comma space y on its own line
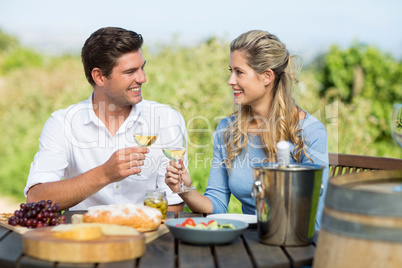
204, 231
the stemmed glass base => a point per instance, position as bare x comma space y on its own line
184, 189
137, 177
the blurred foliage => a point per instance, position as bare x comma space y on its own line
7, 41
12, 56
362, 76
20, 58
192, 80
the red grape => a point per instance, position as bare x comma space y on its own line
35, 215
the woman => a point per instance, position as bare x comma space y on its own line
262, 80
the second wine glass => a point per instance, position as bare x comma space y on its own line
396, 123
174, 144
396, 131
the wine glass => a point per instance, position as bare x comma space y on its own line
396, 131
146, 130
396, 124
174, 144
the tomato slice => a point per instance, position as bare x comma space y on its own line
189, 221
211, 221
203, 223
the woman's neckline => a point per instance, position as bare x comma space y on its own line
301, 120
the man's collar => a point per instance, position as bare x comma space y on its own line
91, 116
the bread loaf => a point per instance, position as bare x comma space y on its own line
140, 217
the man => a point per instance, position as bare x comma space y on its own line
87, 155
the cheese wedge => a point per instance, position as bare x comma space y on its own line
83, 232
91, 231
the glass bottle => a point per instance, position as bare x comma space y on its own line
158, 200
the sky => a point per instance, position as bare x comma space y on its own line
308, 28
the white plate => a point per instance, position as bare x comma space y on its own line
250, 219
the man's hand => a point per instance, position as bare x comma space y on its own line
124, 162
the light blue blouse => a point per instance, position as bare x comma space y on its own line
241, 178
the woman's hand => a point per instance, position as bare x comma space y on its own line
173, 170
193, 199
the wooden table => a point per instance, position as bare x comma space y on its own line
245, 251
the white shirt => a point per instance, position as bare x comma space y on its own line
75, 140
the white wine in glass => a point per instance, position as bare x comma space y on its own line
174, 154
145, 140
174, 146
146, 130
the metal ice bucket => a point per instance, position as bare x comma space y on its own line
286, 202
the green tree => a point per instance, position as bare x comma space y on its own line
362, 73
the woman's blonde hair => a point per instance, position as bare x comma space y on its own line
265, 51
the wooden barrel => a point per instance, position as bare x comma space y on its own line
362, 221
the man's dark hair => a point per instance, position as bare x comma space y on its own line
105, 46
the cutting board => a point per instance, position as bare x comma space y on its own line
151, 236
40, 243
17, 229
